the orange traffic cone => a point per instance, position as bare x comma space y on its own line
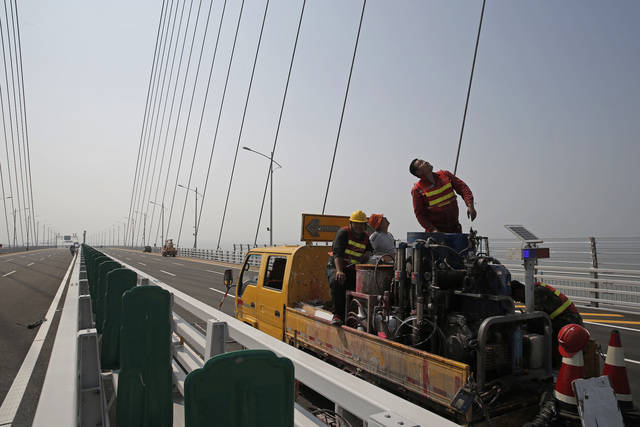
572, 368
615, 369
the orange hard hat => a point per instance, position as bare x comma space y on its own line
572, 338
375, 220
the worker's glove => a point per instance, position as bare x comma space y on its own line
471, 212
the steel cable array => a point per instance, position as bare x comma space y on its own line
13, 110
204, 106
156, 126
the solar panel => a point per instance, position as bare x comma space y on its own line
523, 234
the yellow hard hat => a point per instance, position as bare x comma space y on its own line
358, 216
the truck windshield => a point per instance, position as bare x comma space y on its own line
250, 272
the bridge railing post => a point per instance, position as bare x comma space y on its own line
217, 334
594, 274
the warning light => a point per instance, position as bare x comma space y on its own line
534, 253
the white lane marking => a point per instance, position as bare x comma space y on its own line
216, 290
13, 398
166, 272
614, 327
30, 264
603, 355
9, 260
142, 263
177, 263
9, 273
211, 271
128, 259
41, 259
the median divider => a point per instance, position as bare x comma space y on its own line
119, 281
144, 383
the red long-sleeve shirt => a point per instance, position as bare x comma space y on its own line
445, 218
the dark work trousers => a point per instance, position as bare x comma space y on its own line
339, 290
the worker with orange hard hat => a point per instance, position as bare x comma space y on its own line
382, 242
351, 246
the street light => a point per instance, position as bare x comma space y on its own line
144, 226
271, 162
162, 214
14, 223
195, 226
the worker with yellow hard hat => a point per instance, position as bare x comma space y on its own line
351, 246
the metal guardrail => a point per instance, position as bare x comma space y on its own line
592, 271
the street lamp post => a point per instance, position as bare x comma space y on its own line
144, 227
195, 226
271, 162
162, 215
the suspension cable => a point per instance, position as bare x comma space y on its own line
244, 114
6, 146
143, 204
137, 212
13, 143
215, 136
144, 118
204, 105
175, 130
284, 99
155, 128
193, 93
26, 127
466, 104
344, 105
164, 148
18, 114
155, 148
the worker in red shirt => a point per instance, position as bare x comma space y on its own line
434, 198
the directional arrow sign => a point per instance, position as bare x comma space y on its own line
321, 228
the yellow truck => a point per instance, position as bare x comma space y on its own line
168, 249
283, 291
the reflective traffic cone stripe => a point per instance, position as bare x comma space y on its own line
572, 369
616, 370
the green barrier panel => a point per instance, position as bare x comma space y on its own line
92, 275
118, 281
241, 388
145, 383
101, 289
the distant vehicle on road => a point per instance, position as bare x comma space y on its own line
147, 249
168, 249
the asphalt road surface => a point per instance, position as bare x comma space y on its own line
28, 284
203, 280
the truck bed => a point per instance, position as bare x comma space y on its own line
428, 375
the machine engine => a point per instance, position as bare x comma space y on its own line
438, 297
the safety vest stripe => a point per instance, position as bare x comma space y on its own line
442, 199
437, 191
357, 245
560, 309
352, 253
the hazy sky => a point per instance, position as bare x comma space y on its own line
551, 139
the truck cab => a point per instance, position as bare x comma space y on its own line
278, 277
